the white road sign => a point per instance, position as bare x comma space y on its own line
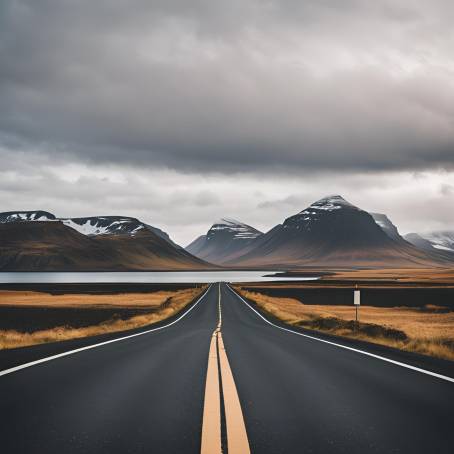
356, 298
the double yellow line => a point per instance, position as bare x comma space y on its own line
219, 372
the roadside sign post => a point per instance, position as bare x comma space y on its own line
356, 301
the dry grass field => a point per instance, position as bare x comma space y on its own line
375, 277
162, 305
124, 300
428, 330
402, 275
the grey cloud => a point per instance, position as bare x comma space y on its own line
292, 201
185, 205
227, 86
447, 189
206, 198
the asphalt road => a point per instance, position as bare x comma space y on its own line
303, 396
298, 395
140, 395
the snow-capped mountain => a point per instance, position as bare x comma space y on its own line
333, 232
224, 240
38, 241
90, 226
440, 241
17, 216
327, 207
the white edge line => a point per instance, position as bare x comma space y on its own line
398, 363
89, 347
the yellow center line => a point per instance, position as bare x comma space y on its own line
211, 426
237, 441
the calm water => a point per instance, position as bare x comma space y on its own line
163, 277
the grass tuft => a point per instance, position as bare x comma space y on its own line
334, 324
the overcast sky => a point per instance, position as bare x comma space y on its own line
181, 112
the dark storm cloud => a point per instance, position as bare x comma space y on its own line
226, 86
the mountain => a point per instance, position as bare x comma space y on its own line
441, 242
224, 241
107, 243
91, 226
45, 246
332, 232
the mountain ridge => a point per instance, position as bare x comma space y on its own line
41, 243
88, 225
332, 232
329, 232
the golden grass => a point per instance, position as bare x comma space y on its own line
74, 300
403, 275
429, 330
170, 305
371, 278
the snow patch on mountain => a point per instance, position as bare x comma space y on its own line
20, 216
236, 229
382, 224
326, 204
105, 225
443, 240
443, 248
329, 203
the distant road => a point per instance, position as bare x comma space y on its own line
146, 394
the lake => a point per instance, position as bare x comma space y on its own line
163, 277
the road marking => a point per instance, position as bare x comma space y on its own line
237, 441
219, 307
363, 352
211, 425
100, 344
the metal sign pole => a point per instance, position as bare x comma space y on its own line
356, 302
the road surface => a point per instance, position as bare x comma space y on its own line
149, 393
